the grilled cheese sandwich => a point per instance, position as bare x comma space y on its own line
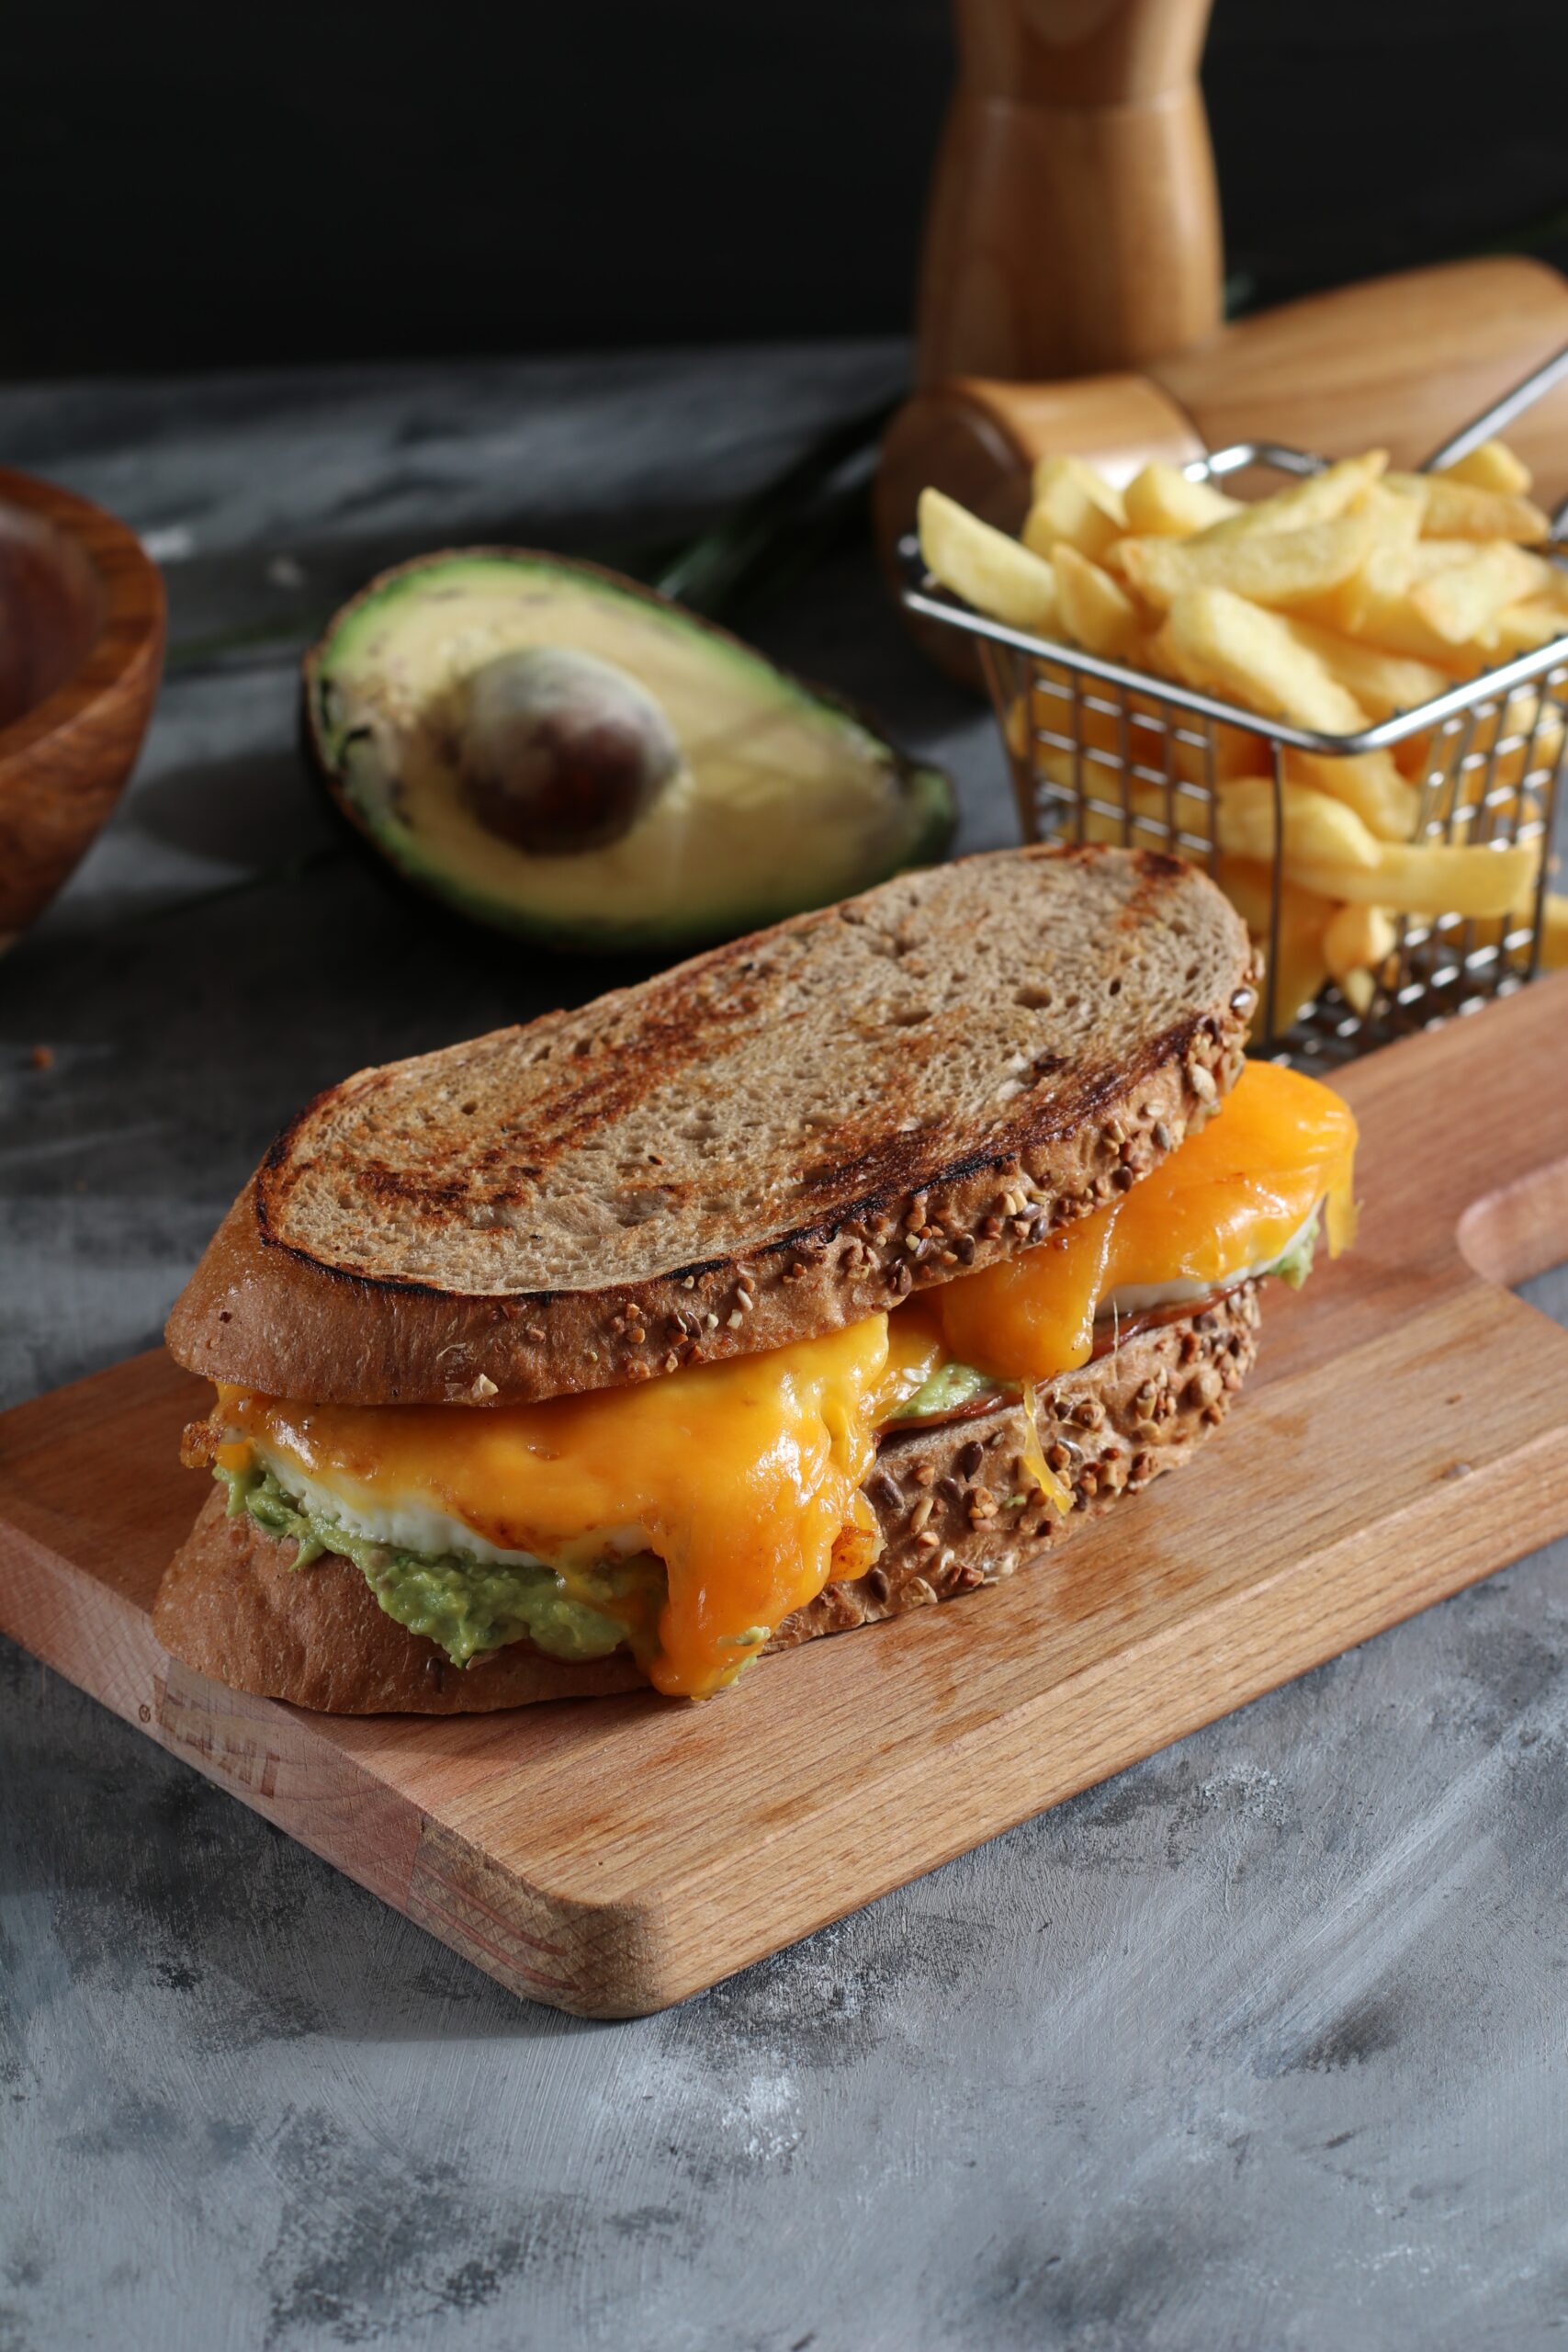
687, 1517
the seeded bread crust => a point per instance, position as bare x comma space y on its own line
763, 1144
946, 1498
232, 1606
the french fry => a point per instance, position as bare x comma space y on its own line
1553, 934
1528, 733
1248, 884
983, 566
1051, 470
1462, 601
1368, 782
1381, 683
1456, 509
1160, 502
1520, 629
1394, 520
1318, 498
1133, 833
1320, 834
1326, 848
1397, 511
1428, 878
1095, 609
1268, 567
1375, 605
1072, 506
1492, 465
1146, 815
1220, 640
1356, 936
1425, 557
1351, 596
1303, 967
1149, 741
1494, 746
1235, 753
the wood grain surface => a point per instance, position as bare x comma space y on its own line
1396, 363
1073, 220
1404, 1436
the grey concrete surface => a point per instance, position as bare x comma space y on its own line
1263, 2044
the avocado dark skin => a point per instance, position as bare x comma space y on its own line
559, 752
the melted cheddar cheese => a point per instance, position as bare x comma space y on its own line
1229, 1201
742, 1478
745, 1478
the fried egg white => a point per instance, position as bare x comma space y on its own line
410, 1522
1141, 1299
406, 1523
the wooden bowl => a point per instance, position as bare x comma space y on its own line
81, 652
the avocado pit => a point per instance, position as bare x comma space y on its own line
559, 752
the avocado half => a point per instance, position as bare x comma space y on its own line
784, 798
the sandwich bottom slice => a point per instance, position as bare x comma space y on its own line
445, 1559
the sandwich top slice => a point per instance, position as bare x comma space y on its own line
628, 1344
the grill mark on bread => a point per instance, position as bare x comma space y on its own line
882, 1173
493, 1223
678, 1029
896, 1169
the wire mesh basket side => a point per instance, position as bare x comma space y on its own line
1093, 761
1489, 776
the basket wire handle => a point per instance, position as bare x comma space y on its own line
1501, 411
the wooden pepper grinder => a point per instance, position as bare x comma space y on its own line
1070, 291
1073, 220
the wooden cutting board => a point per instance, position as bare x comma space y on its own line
1406, 1433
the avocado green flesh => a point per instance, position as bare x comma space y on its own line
783, 800
950, 1388
467, 1607
1296, 1264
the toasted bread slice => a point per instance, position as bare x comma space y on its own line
759, 1146
232, 1605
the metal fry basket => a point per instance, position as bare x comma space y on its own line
1101, 752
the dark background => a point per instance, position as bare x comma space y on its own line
186, 188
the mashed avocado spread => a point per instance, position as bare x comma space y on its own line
951, 1387
466, 1606
1296, 1264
